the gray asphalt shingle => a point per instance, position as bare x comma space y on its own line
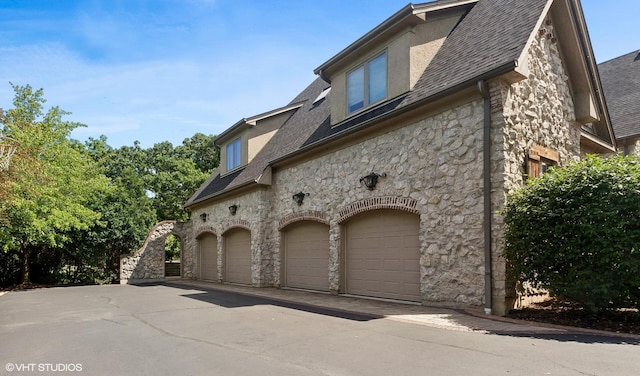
620, 79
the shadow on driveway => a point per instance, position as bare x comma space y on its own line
362, 310
234, 299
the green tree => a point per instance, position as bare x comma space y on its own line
172, 176
576, 232
127, 215
199, 148
53, 180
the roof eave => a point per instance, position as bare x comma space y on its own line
503, 70
221, 193
251, 121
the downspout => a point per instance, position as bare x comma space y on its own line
486, 173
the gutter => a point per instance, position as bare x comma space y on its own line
486, 173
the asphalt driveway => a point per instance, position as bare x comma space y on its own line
203, 329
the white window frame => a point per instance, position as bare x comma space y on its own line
366, 102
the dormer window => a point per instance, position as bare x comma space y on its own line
367, 83
234, 154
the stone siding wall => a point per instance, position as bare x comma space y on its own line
433, 168
251, 213
536, 110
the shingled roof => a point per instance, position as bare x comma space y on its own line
621, 84
288, 139
485, 44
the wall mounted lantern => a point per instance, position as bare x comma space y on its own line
233, 209
203, 216
371, 180
299, 197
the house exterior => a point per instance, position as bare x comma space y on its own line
621, 83
447, 106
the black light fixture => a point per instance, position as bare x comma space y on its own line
233, 209
203, 216
371, 180
299, 197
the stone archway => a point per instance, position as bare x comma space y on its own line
148, 263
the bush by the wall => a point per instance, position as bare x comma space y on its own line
576, 232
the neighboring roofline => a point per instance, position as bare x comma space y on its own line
400, 16
496, 72
251, 121
626, 132
632, 52
627, 138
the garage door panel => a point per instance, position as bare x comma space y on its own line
238, 256
383, 254
393, 264
208, 246
306, 256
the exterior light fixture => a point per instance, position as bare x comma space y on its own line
233, 209
371, 180
299, 197
203, 216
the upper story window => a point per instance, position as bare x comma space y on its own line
234, 154
367, 84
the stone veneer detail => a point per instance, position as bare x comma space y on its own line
433, 169
537, 110
422, 162
147, 264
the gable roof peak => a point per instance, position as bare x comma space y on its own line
410, 15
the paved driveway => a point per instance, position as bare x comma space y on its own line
199, 329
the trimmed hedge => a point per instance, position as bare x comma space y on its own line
576, 232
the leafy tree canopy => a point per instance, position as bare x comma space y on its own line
69, 210
52, 179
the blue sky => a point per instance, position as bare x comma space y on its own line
162, 70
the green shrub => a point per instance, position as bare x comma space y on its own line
576, 232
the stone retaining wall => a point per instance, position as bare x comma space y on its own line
148, 263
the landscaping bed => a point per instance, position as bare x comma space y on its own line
559, 313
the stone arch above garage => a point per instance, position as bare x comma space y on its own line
238, 223
309, 215
374, 203
206, 230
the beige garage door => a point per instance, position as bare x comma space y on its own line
383, 255
306, 256
237, 245
208, 245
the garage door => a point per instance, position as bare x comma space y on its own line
383, 255
208, 246
238, 256
306, 256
